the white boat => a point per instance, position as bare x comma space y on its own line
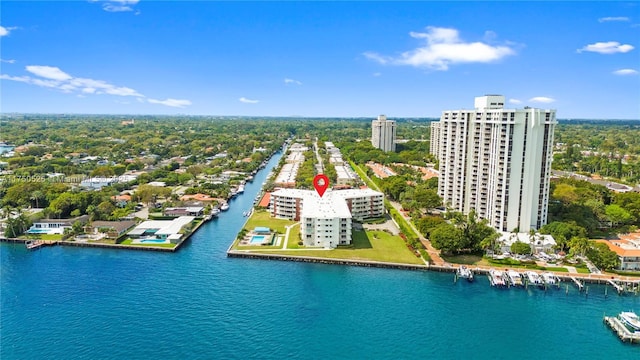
465, 273
215, 212
550, 279
240, 189
514, 278
496, 277
534, 278
224, 207
631, 320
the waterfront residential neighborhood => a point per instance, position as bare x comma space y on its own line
149, 201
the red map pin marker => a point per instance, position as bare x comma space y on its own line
321, 183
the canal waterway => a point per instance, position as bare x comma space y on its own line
85, 303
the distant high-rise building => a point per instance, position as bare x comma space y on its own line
496, 161
383, 134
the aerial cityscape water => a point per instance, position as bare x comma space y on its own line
63, 302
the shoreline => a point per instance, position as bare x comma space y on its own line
452, 268
108, 246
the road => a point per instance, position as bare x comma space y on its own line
611, 185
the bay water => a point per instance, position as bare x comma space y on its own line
85, 303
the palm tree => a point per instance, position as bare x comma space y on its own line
36, 196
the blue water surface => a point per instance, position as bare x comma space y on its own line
85, 303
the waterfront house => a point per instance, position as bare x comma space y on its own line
170, 230
112, 229
184, 211
55, 226
538, 242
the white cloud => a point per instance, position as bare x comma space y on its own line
248, 101
609, 47
24, 79
8, 61
626, 72
119, 5
515, 101
171, 102
49, 72
445, 47
4, 31
53, 77
292, 81
542, 99
377, 74
613, 18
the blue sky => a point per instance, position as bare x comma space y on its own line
352, 59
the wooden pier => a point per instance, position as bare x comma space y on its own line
36, 244
623, 333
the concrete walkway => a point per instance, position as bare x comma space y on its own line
286, 235
433, 253
571, 269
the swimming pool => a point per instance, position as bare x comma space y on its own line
257, 239
38, 231
155, 241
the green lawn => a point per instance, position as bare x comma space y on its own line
294, 237
466, 259
557, 269
128, 242
263, 218
41, 236
583, 271
374, 246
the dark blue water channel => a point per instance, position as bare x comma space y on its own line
65, 302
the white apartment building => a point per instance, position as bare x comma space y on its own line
326, 221
383, 134
496, 161
434, 144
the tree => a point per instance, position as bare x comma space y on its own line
602, 257
447, 238
427, 199
616, 214
579, 245
36, 196
426, 224
565, 193
561, 231
520, 248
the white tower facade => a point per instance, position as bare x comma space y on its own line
497, 162
383, 134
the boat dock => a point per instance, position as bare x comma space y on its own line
619, 288
623, 333
578, 283
36, 244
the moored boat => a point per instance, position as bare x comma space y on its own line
630, 320
465, 273
514, 278
534, 278
496, 278
550, 279
224, 207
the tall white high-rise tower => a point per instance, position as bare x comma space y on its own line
496, 161
383, 134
